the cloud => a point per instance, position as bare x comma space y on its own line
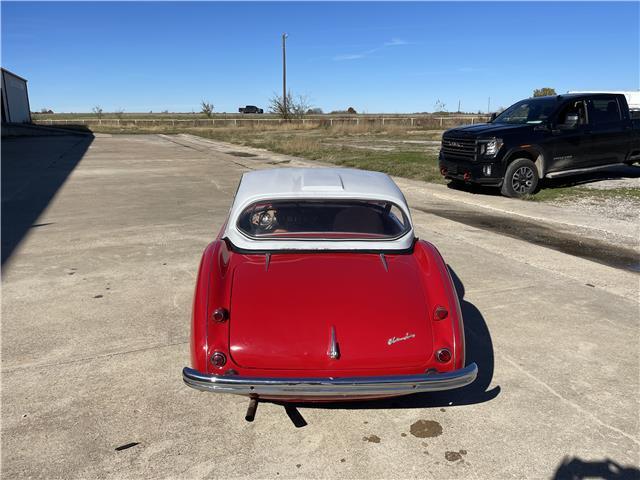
470, 69
352, 56
394, 42
451, 71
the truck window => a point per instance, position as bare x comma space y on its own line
605, 110
533, 110
573, 109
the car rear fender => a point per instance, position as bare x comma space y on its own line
212, 291
448, 333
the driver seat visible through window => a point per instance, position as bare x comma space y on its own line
574, 108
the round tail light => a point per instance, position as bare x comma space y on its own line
440, 313
218, 359
443, 170
443, 355
220, 314
467, 176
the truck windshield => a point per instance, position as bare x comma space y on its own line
533, 110
326, 219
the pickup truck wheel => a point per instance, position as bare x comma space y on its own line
520, 179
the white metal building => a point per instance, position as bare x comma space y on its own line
15, 98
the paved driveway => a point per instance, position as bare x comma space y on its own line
95, 320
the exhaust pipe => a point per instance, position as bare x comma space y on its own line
251, 411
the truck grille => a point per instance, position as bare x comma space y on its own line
459, 147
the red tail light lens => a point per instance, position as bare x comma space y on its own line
443, 170
467, 176
218, 359
443, 355
440, 313
220, 314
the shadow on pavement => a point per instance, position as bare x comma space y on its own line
33, 170
479, 349
577, 469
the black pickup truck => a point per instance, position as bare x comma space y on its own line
543, 137
250, 109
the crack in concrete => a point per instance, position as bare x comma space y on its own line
577, 407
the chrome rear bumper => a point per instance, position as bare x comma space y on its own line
352, 387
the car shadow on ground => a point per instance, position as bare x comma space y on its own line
576, 469
616, 172
479, 349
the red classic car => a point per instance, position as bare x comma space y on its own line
317, 289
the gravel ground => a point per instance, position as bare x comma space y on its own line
624, 204
619, 207
622, 176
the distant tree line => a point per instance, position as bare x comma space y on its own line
299, 105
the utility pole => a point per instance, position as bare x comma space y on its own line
284, 75
489, 106
459, 111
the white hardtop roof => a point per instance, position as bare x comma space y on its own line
315, 183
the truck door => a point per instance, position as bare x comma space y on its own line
571, 137
610, 136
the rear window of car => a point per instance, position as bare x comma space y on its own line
332, 220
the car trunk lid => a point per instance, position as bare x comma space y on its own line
285, 310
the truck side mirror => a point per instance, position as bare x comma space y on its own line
493, 116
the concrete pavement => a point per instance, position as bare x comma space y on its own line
95, 323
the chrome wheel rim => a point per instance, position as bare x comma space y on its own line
522, 180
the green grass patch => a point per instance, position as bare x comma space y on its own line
574, 193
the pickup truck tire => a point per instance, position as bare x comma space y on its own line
520, 178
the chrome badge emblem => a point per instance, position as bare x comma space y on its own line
407, 336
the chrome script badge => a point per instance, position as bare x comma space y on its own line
407, 336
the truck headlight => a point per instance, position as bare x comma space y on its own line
490, 147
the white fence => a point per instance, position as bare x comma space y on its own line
412, 121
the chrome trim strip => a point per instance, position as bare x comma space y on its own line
353, 387
562, 173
